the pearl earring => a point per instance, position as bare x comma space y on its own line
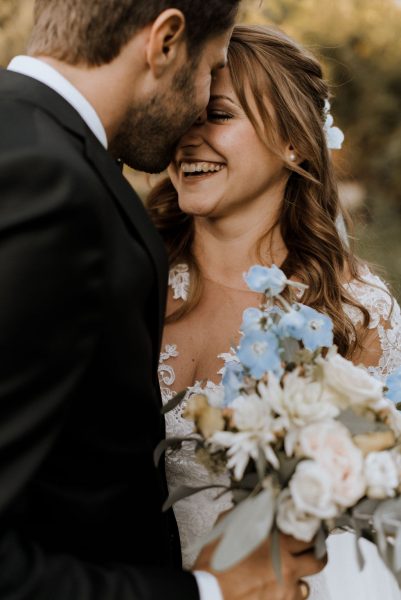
293, 157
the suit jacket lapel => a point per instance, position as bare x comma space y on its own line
135, 212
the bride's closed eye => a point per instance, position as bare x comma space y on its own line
218, 115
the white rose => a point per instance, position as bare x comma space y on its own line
381, 475
330, 445
312, 490
292, 522
304, 401
348, 384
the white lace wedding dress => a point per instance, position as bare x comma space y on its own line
341, 579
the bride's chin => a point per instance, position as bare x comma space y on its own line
195, 209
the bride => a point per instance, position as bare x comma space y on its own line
252, 182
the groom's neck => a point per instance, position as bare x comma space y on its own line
109, 88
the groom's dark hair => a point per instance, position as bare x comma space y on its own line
94, 32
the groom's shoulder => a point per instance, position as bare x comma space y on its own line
29, 114
29, 136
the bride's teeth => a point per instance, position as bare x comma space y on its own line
200, 167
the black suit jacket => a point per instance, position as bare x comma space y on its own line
82, 296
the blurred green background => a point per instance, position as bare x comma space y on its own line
359, 42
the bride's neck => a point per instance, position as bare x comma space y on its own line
225, 249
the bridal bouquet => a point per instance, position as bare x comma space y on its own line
309, 441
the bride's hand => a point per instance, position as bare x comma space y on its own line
255, 579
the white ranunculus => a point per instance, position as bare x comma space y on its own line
312, 490
292, 522
271, 393
349, 385
330, 444
381, 475
304, 401
251, 413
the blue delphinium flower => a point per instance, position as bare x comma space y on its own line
259, 352
393, 383
233, 381
318, 329
291, 324
307, 325
252, 319
266, 280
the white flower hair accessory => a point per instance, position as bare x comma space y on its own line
334, 135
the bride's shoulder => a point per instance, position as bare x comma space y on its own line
372, 293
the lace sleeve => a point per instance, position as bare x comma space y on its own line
381, 351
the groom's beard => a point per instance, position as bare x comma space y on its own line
148, 135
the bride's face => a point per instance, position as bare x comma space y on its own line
221, 166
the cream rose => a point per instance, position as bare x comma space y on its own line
349, 385
312, 490
301, 526
381, 475
331, 446
304, 401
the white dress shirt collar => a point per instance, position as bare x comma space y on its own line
41, 71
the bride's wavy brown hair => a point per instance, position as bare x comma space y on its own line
265, 64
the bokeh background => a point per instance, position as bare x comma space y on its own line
359, 42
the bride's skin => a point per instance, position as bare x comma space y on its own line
233, 208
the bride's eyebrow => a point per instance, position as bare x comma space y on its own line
223, 97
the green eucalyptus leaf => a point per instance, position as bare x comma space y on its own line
276, 554
287, 468
261, 464
387, 523
249, 481
342, 522
184, 491
173, 442
358, 424
216, 532
291, 349
320, 543
397, 551
174, 402
239, 495
249, 527
359, 554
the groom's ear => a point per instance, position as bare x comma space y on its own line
166, 42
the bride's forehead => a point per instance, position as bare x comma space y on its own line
222, 83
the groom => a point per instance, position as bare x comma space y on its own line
83, 281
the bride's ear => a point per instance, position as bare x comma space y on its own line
166, 41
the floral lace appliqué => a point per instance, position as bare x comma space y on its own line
178, 280
385, 318
166, 372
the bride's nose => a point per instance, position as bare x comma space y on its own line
193, 136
